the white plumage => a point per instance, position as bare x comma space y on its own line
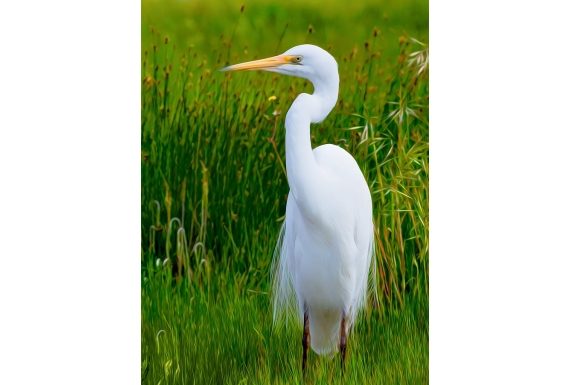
322, 261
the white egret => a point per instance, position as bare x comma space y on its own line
322, 262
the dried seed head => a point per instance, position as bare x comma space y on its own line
310, 29
354, 51
242, 7
375, 31
166, 40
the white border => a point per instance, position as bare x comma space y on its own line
70, 192
499, 192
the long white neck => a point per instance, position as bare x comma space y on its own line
302, 170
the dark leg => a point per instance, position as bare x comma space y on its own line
342, 340
306, 339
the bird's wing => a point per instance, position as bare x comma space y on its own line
353, 196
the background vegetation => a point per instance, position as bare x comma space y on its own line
214, 189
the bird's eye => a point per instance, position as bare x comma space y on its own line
298, 59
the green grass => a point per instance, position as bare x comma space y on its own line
214, 191
227, 338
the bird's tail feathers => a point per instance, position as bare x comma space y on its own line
284, 298
372, 277
369, 289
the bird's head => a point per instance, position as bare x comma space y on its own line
305, 61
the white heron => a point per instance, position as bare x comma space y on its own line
322, 262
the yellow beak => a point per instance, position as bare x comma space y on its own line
263, 64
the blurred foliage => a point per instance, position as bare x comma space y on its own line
262, 23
